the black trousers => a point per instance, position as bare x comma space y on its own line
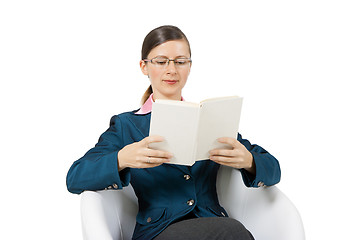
211, 228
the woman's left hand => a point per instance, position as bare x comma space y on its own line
237, 157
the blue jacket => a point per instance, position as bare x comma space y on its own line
167, 192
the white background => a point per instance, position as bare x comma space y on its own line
67, 66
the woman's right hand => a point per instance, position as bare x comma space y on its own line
139, 155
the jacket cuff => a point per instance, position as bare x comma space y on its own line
260, 178
119, 179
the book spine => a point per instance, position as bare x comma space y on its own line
195, 151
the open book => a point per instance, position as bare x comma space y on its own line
191, 130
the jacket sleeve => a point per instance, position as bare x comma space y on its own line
98, 168
267, 166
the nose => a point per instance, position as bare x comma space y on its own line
171, 68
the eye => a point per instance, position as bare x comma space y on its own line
181, 61
160, 61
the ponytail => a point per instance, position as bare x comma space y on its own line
146, 95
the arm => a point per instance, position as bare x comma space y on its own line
107, 165
258, 167
98, 168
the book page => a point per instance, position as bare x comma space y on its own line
217, 99
218, 118
177, 122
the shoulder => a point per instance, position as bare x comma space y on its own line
124, 114
128, 116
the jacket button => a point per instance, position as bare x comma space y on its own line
190, 202
187, 177
115, 186
148, 219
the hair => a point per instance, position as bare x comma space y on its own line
156, 37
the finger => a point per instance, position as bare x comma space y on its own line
151, 165
151, 139
158, 153
228, 140
155, 160
222, 159
222, 152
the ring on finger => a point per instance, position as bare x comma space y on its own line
148, 161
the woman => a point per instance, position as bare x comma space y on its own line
175, 202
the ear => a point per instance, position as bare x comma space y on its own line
143, 67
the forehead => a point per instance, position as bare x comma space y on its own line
171, 49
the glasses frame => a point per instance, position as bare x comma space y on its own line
168, 60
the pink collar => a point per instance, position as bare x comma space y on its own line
147, 107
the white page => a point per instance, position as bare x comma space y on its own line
218, 118
172, 122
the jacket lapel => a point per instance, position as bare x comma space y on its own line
141, 123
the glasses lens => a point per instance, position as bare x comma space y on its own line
181, 61
160, 61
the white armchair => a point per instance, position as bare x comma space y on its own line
266, 212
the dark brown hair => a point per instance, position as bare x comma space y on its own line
156, 37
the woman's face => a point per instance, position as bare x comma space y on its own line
167, 81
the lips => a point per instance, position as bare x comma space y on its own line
171, 82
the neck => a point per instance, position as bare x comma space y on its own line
170, 97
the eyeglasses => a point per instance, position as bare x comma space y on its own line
163, 62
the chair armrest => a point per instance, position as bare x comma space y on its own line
108, 214
265, 211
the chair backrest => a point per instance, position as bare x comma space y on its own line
266, 212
